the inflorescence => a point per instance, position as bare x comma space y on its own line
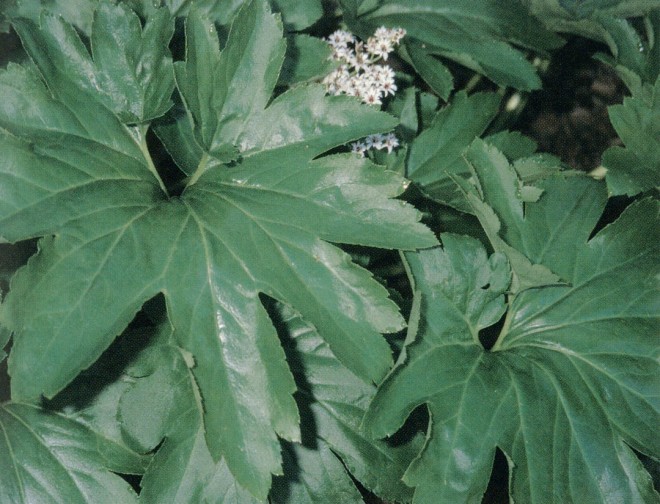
360, 75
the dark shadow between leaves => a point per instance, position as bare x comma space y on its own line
488, 335
111, 364
497, 491
652, 466
5, 390
613, 209
303, 396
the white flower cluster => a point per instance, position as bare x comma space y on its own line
359, 75
379, 142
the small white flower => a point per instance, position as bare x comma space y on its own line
390, 142
371, 96
360, 76
340, 38
358, 148
374, 141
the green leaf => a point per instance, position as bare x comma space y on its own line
259, 225
298, 15
437, 153
503, 219
135, 65
636, 168
513, 144
434, 73
163, 404
79, 13
177, 136
581, 17
225, 89
477, 34
307, 58
318, 477
571, 384
131, 73
332, 401
45, 457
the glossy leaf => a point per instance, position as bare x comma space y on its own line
434, 73
80, 13
502, 218
135, 67
317, 476
437, 153
131, 71
478, 34
163, 404
45, 457
225, 89
259, 225
307, 58
571, 383
332, 401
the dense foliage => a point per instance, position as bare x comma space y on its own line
290, 252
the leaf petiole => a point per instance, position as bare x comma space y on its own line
507, 323
201, 168
141, 131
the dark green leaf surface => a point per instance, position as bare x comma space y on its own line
434, 73
72, 171
635, 168
477, 34
163, 404
332, 403
570, 385
503, 218
45, 457
581, 17
223, 90
307, 58
317, 476
298, 15
131, 73
79, 13
437, 153
135, 67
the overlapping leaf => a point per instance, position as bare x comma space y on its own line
571, 384
581, 17
635, 168
332, 403
637, 121
437, 153
478, 34
162, 409
74, 172
46, 457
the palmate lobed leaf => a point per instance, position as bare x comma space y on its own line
571, 384
332, 402
46, 457
161, 410
74, 172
